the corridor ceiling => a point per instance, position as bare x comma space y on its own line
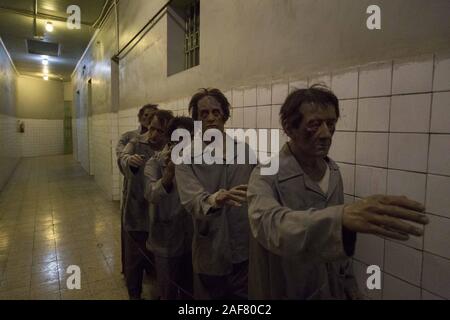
17, 26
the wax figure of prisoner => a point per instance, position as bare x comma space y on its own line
302, 232
170, 231
135, 208
215, 195
144, 116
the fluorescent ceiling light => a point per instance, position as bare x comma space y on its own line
49, 26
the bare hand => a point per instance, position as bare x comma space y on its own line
234, 197
136, 161
385, 216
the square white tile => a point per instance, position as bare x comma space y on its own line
370, 181
348, 177
375, 80
438, 200
439, 160
250, 117
371, 149
396, 289
264, 114
436, 275
373, 114
440, 113
345, 84
280, 91
347, 119
264, 95
408, 151
238, 98
413, 76
370, 250
437, 236
238, 118
249, 97
275, 118
442, 72
410, 113
406, 183
403, 262
343, 147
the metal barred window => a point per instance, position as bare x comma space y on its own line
192, 36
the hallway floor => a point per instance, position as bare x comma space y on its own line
53, 215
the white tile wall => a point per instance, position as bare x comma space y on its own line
396, 289
411, 113
375, 80
323, 79
438, 200
372, 149
264, 114
345, 84
442, 72
370, 250
264, 94
250, 97
413, 76
369, 181
408, 151
250, 117
436, 275
384, 131
405, 183
348, 177
403, 262
348, 111
439, 160
440, 114
275, 118
238, 98
373, 114
42, 137
10, 149
343, 147
280, 90
295, 84
437, 236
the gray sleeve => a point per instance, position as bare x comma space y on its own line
154, 190
193, 197
311, 234
121, 144
123, 160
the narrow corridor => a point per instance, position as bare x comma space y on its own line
53, 215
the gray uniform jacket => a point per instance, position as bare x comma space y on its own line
135, 206
121, 144
220, 236
297, 249
170, 226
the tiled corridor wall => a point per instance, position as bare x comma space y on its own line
42, 137
394, 138
9, 147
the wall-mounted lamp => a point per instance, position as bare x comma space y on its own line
49, 26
